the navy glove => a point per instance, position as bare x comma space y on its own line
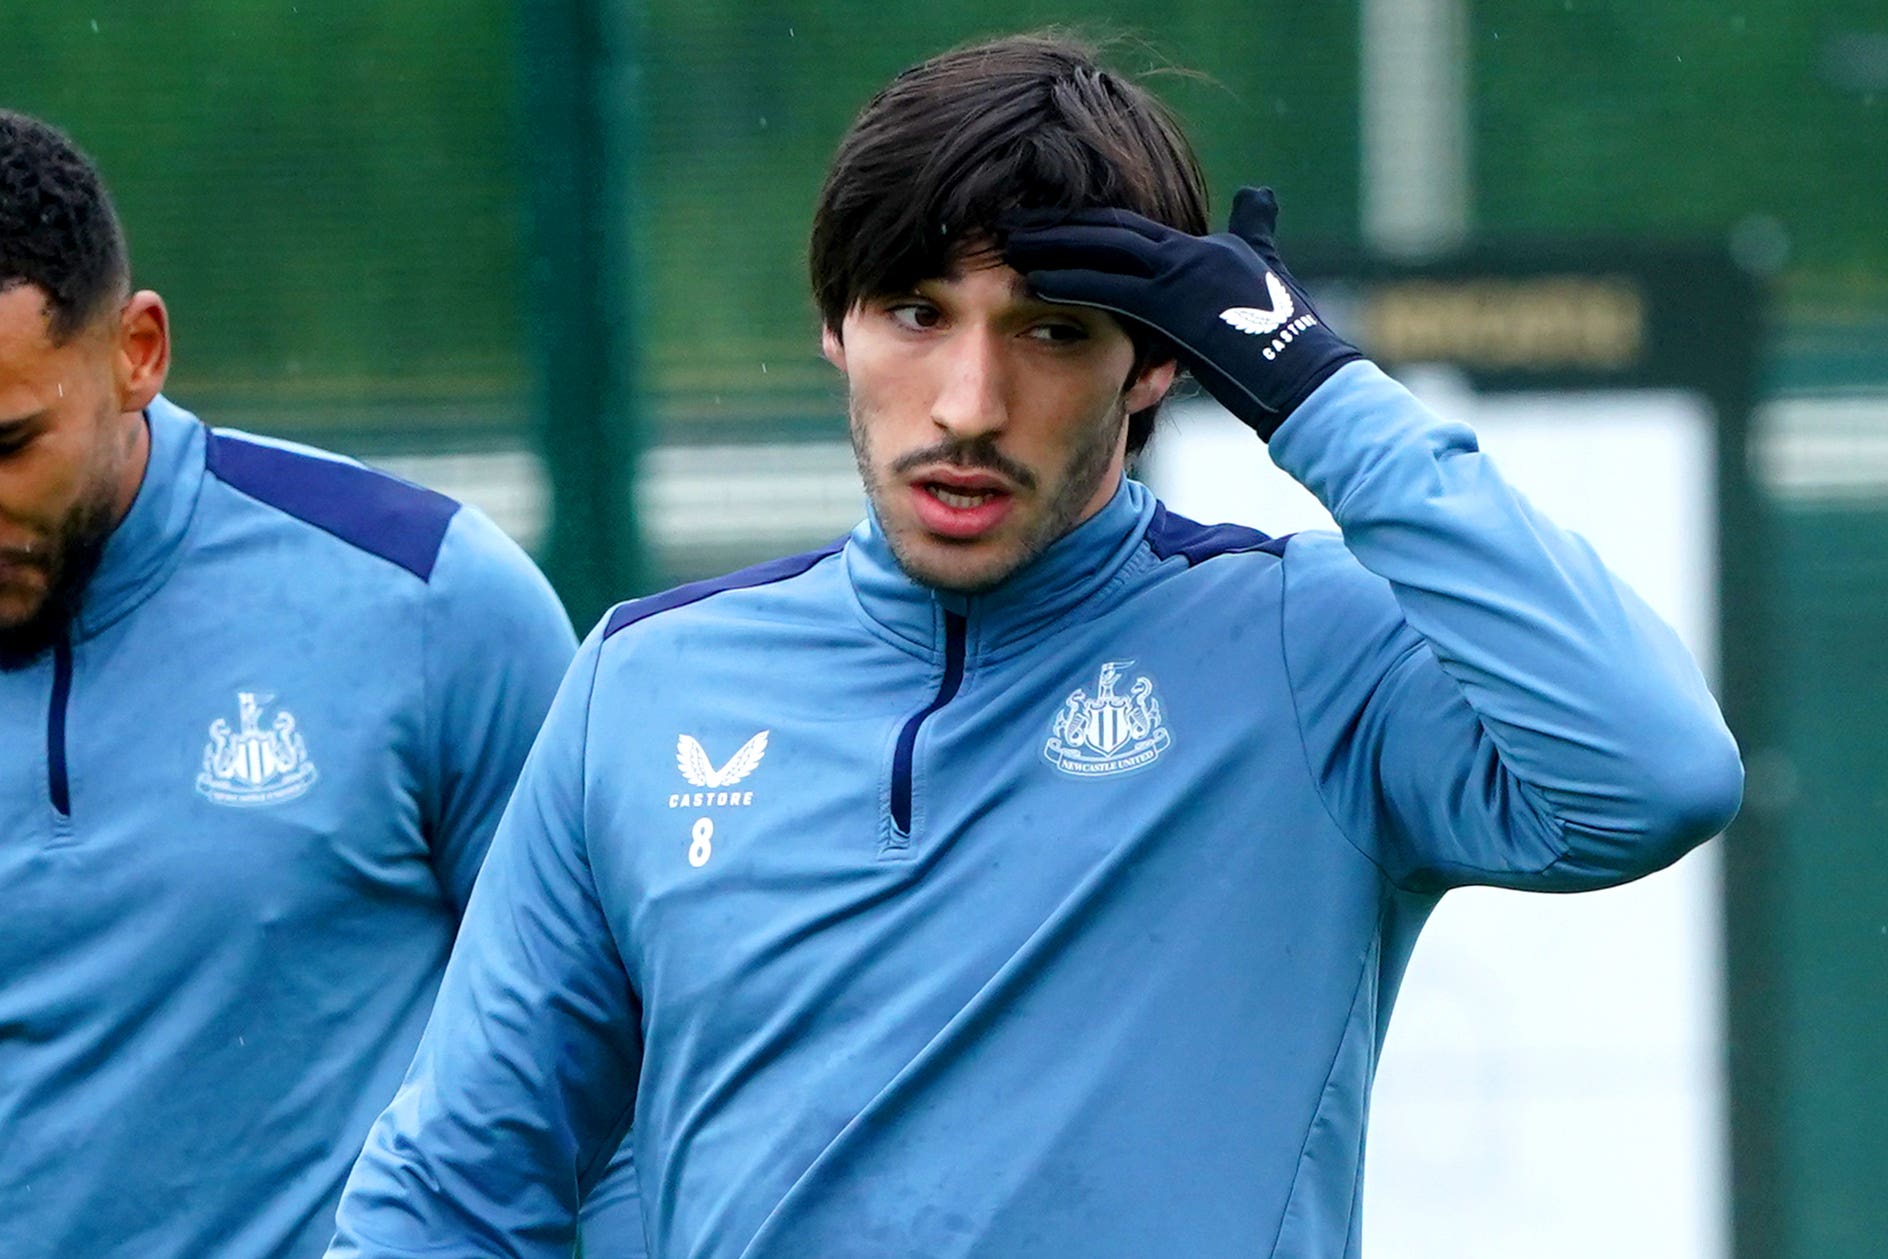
1237, 319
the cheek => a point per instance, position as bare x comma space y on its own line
40, 485
886, 396
1095, 382
1072, 410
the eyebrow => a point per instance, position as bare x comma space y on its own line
958, 272
1018, 287
12, 428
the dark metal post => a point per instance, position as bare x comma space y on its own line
580, 86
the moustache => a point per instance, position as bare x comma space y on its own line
971, 456
25, 556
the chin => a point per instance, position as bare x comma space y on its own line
24, 642
19, 607
968, 570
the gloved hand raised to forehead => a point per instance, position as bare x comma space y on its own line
1240, 323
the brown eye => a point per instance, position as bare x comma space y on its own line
1059, 332
915, 315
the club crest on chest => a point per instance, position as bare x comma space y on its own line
250, 766
1108, 732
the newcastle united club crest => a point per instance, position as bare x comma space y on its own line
1108, 733
251, 766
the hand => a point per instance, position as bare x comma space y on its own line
1238, 320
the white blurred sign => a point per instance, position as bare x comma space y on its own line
1553, 1082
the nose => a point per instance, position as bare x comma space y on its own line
972, 399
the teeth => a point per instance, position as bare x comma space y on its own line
951, 498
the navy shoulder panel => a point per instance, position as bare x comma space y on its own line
695, 591
1170, 535
396, 520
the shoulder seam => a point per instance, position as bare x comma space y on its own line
767, 574
1204, 542
1304, 744
395, 520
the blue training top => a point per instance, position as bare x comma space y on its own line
1064, 920
242, 809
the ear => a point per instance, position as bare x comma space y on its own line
143, 350
1150, 386
832, 347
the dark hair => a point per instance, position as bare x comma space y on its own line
935, 160
58, 230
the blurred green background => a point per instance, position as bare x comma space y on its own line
532, 248
385, 144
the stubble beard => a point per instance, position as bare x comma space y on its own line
1081, 476
72, 558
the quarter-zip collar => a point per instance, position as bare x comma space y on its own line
147, 543
1033, 601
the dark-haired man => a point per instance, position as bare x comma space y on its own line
1031, 873
260, 708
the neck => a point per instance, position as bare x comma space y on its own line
137, 460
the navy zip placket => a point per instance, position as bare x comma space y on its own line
955, 632
59, 779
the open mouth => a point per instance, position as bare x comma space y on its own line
959, 498
961, 508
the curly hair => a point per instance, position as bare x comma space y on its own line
935, 161
58, 230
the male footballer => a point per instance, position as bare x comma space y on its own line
1031, 872
260, 709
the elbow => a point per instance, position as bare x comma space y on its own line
1670, 802
1695, 789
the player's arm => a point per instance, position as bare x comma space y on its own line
612, 1220
525, 1079
1480, 695
497, 642
1482, 701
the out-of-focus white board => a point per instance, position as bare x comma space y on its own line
1553, 1082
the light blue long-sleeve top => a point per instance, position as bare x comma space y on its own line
1060, 920
241, 809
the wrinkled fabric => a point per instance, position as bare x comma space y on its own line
1180, 801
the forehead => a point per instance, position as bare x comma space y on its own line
25, 321
984, 275
30, 364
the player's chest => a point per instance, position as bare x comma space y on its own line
243, 768
726, 822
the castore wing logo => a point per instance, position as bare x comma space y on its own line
250, 767
1259, 322
692, 760
1281, 319
1109, 733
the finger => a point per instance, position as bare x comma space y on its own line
1114, 216
1092, 216
1082, 247
1255, 215
1039, 219
1109, 290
